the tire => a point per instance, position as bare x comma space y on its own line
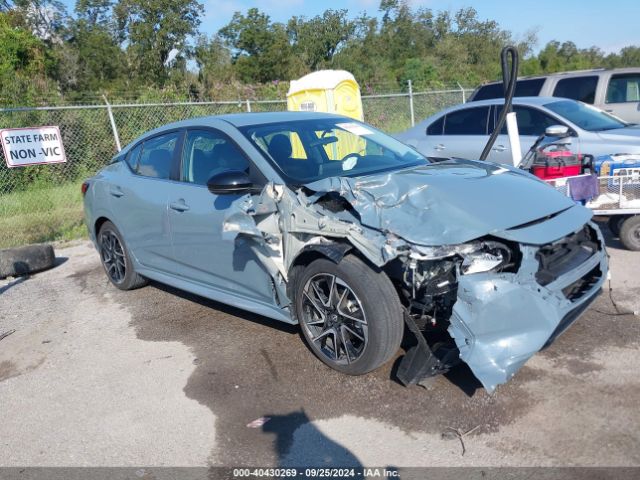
614, 223
365, 310
116, 259
630, 233
15, 262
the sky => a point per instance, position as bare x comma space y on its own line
608, 25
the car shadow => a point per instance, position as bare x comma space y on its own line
462, 377
221, 307
459, 376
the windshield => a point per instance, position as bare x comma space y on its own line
585, 116
309, 150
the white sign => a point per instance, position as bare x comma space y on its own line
32, 146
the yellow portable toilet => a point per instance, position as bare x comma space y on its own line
334, 91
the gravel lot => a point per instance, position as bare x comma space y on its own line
97, 377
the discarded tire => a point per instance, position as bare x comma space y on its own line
15, 262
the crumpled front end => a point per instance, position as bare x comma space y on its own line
500, 320
482, 279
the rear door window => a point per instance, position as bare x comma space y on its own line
582, 89
487, 92
157, 156
436, 127
529, 88
624, 88
469, 121
531, 121
524, 88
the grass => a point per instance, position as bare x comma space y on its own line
42, 213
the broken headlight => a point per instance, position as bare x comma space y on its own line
491, 256
479, 256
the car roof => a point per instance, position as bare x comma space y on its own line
235, 119
573, 73
245, 119
516, 101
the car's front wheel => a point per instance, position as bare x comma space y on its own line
116, 260
349, 313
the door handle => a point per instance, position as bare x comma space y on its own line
499, 148
179, 206
609, 111
439, 147
116, 192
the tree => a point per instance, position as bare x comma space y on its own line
628, 57
422, 73
476, 46
556, 57
261, 49
21, 51
319, 39
405, 33
94, 12
45, 18
101, 61
154, 30
23, 69
214, 62
92, 36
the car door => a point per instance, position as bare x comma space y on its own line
622, 97
138, 200
532, 122
196, 218
461, 133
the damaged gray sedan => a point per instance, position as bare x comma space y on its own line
327, 222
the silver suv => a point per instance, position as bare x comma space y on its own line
615, 91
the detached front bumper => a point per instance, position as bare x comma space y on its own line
500, 320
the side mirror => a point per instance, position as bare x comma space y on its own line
233, 181
557, 131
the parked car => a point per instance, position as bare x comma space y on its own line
463, 130
615, 91
324, 221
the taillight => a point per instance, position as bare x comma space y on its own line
84, 188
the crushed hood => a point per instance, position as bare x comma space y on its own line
448, 203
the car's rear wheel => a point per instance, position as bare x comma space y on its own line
116, 260
349, 313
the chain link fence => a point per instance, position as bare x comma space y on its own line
43, 202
